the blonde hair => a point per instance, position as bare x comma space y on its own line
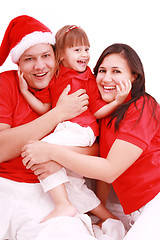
68, 36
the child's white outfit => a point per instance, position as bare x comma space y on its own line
72, 134
80, 131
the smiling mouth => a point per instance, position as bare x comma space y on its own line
82, 61
39, 75
109, 88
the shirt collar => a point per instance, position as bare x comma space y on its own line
74, 73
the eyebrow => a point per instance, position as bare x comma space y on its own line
30, 55
112, 67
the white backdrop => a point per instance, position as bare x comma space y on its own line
134, 22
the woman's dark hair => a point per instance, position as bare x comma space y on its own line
138, 86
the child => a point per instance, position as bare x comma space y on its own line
72, 57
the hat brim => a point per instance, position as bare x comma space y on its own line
30, 40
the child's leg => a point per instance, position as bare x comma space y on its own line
54, 185
102, 192
63, 206
103, 213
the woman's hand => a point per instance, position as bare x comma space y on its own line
123, 89
44, 170
72, 105
35, 152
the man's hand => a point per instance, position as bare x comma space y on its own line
74, 104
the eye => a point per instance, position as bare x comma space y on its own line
77, 50
117, 71
28, 59
46, 55
87, 49
101, 71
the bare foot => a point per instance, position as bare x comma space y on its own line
61, 210
99, 223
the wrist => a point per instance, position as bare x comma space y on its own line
24, 92
116, 102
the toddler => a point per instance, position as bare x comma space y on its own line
67, 189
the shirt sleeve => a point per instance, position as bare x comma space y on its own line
95, 100
7, 82
139, 133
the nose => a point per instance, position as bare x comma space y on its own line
85, 53
107, 77
39, 64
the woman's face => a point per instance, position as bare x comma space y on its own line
112, 70
37, 65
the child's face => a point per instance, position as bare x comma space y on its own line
37, 65
76, 58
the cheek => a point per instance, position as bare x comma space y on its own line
51, 63
98, 80
119, 78
25, 68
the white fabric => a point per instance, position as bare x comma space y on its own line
83, 198
147, 225
28, 41
24, 205
111, 230
54, 180
72, 134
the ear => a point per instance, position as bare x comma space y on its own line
135, 75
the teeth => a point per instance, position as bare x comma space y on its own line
109, 88
82, 61
40, 74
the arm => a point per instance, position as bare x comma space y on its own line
13, 139
102, 191
43, 170
122, 92
38, 106
121, 156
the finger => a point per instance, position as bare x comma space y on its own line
35, 167
23, 154
42, 176
118, 89
129, 85
26, 147
19, 72
84, 108
29, 164
83, 96
79, 93
122, 86
25, 160
85, 103
37, 172
66, 90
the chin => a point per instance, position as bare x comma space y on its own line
108, 99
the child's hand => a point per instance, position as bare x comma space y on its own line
22, 82
123, 90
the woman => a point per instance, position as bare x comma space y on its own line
31, 46
129, 143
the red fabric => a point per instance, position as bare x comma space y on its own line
86, 81
141, 182
43, 95
17, 29
15, 111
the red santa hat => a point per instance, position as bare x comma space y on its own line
22, 33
